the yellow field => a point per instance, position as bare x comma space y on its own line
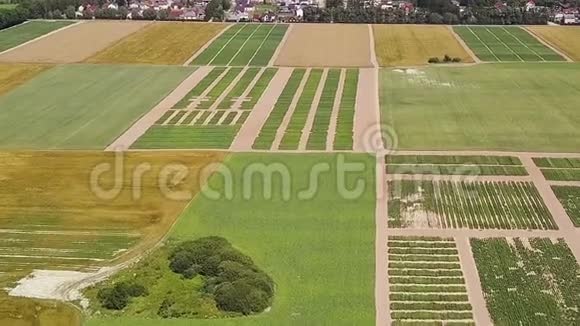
160, 43
13, 75
411, 45
564, 38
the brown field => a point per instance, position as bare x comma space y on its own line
160, 43
13, 75
564, 38
73, 44
411, 45
326, 45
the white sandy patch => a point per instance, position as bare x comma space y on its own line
415, 76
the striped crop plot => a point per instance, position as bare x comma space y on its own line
243, 45
426, 282
528, 281
212, 113
455, 165
462, 204
569, 197
559, 169
505, 43
314, 112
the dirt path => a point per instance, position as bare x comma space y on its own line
564, 183
464, 45
139, 128
38, 38
383, 311
280, 46
472, 282
312, 112
251, 128
372, 46
206, 45
367, 125
548, 45
288, 116
335, 109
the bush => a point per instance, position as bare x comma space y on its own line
241, 297
117, 297
433, 60
446, 59
456, 59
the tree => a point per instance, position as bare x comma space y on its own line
149, 14
70, 12
435, 18
216, 9
450, 19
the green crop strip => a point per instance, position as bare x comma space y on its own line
319, 132
238, 89
214, 74
259, 88
452, 159
219, 88
343, 139
569, 196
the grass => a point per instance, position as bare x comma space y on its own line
401, 45
319, 251
565, 38
528, 281
243, 44
474, 205
14, 75
186, 137
28, 311
569, 197
160, 43
343, 138
82, 106
321, 123
428, 291
455, 165
22, 33
505, 43
486, 107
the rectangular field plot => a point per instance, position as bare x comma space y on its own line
564, 38
212, 113
25, 32
559, 169
242, 45
505, 43
426, 282
454, 165
314, 112
528, 281
14, 75
473, 205
569, 197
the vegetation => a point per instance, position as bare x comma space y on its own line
117, 296
216, 10
343, 139
570, 198
23, 33
11, 15
528, 281
454, 165
14, 75
561, 37
559, 169
319, 132
562, 174
474, 205
446, 59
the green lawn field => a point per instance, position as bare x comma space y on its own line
82, 106
319, 251
17, 35
518, 107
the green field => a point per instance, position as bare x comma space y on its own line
22, 33
319, 251
82, 106
528, 281
559, 169
569, 197
518, 107
454, 165
243, 44
205, 118
426, 281
461, 204
343, 139
505, 43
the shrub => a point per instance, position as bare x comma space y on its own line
433, 60
447, 58
241, 297
117, 297
456, 59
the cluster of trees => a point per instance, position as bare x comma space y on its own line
11, 17
231, 277
446, 59
117, 297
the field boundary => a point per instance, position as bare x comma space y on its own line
280, 46
367, 118
41, 36
372, 51
206, 45
547, 44
461, 42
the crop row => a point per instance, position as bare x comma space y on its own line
319, 131
473, 170
293, 132
187, 137
238, 89
268, 132
561, 174
528, 281
259, 88
200, 88
452, 160
569, 197
343, 138
557, 163
219, 88
475, 205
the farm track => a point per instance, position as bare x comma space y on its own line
367, 125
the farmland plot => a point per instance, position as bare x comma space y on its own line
454, 165
565, 38
528, 281
559, 169
23, 33
505, 44
13, 75
243, 44
473, 205
426, 282
210, 115
569, 197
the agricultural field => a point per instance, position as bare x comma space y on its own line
14, 75
82, 106
467, 204
351, 49
314, 112
73, 44
528, 281
426, 282
307, 246
25, 32
402, 45
160, 43
505, 43
243, 45
559, 169
455, 165
564, 38
212, 113
569, 197
511, 107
